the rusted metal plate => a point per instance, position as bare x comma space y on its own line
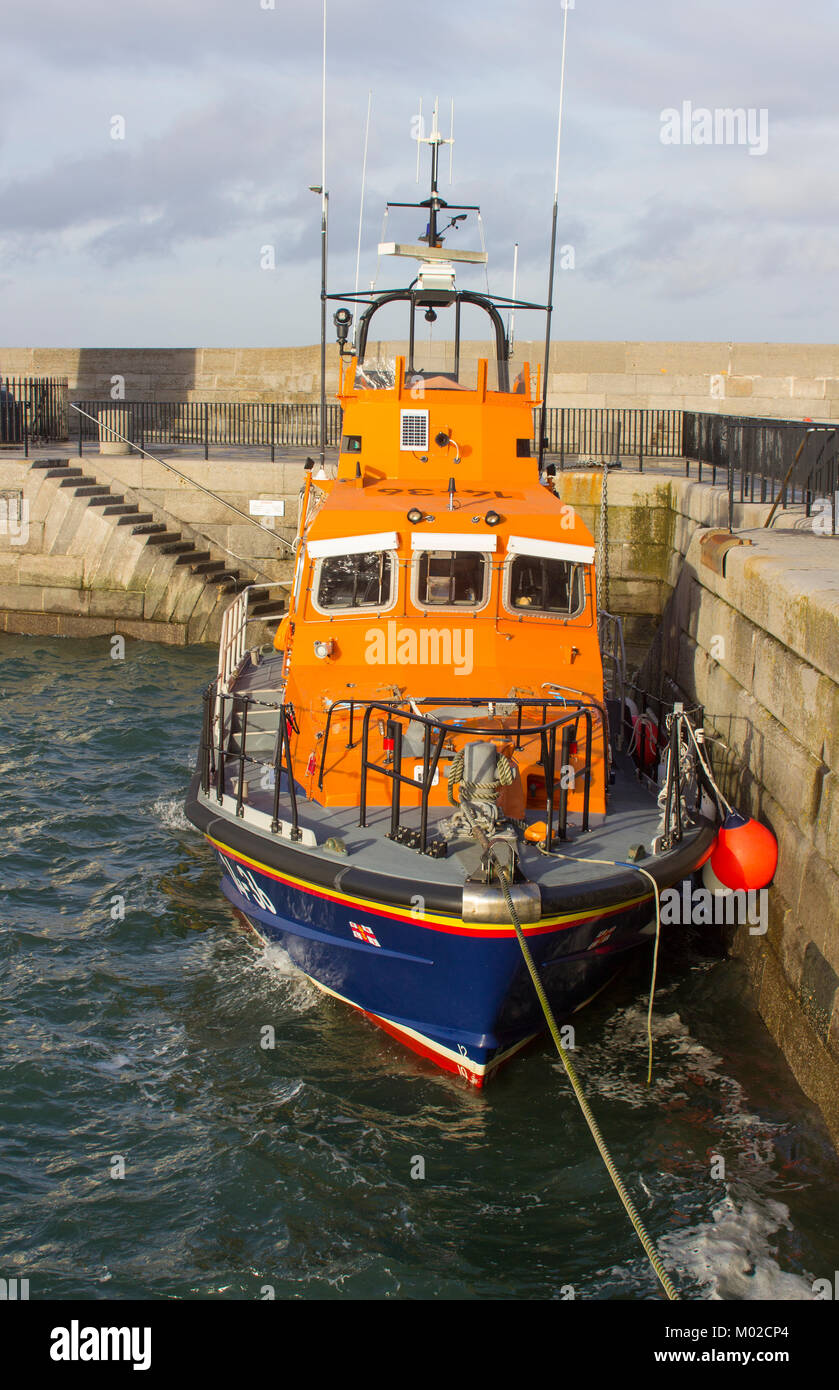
714, 547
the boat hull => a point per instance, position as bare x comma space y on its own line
455, 992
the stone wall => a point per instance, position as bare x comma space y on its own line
758, 647
652, 520
775, 379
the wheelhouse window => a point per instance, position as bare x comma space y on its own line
451, 579
541, 585
355, 581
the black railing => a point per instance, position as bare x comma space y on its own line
222, 762
218, 754
573, 434
250, 424
435, 733
33, 409
763, 460
579, 432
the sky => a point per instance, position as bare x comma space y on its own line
157, 239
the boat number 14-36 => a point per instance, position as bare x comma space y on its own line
247, 885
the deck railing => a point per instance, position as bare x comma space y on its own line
558, 725
217, 755
234, 628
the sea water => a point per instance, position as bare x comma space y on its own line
152, 1146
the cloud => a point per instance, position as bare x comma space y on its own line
221, 100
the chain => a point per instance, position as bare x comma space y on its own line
603, 544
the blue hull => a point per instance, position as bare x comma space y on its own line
456, 994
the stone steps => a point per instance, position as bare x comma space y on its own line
175, 581
71, 476
105, 500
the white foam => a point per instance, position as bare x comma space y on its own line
170, 812
734, 1254
298, 991
731, 1255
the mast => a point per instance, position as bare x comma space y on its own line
434, 203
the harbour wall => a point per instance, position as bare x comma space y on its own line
784, 380
758, 646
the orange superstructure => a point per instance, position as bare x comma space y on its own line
442, 534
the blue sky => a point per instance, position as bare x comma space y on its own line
156, 239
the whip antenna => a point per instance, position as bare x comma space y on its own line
324, 223
512, 324
363, 185
544, 410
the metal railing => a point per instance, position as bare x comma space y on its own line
598, 433
218, 730
33, 409
613, 655
234, 625
225, 724
207, 424
763, 460
436, 731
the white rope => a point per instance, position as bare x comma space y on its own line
625, 864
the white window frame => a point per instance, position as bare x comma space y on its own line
368, 609
467, 549
541, 615
550, 550
452, 540
352, 545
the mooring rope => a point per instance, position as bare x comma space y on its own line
625, 864
505, 775
629, 1206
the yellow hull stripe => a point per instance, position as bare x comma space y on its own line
434, 920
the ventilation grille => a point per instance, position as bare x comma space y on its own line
414, 429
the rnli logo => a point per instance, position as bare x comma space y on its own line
362, 933
602, 937
391, 645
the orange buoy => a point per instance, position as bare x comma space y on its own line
745, 854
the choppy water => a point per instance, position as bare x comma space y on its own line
247, 1167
